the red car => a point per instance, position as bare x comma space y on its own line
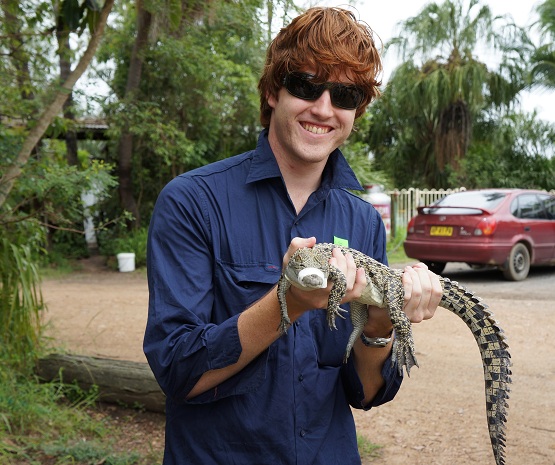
511, 229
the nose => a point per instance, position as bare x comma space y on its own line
322, 106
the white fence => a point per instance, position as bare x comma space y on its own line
404, 203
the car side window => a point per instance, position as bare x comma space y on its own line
549, 204
528, 206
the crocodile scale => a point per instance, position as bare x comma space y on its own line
309, 268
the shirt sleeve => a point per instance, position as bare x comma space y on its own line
184, 338
355, 391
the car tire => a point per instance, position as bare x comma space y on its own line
435, 267
517, 266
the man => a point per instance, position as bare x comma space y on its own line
238, 392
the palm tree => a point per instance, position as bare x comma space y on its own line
433, 97
543, 58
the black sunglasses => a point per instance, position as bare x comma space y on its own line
344, 96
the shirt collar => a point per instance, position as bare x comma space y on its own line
337, 174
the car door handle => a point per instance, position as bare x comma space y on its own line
527, 228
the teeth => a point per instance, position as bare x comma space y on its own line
316, 129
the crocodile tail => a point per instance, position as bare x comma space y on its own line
496, 358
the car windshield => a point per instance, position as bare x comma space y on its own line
475, 201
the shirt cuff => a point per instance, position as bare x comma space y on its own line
224, 348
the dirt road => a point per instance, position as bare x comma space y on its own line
438, 417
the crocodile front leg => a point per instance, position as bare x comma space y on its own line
282, 288
337, 292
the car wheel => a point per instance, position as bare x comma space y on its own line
518, 263
435, 267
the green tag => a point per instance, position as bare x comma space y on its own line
340, 242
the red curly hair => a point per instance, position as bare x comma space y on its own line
328, 41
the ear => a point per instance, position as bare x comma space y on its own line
272, 100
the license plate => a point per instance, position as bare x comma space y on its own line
441, 231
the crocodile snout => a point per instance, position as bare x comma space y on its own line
312, 278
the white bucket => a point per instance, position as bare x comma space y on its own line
126, 261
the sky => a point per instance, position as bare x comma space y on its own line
383, 16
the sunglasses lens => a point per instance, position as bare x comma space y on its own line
342, 96
299, 86
347, 97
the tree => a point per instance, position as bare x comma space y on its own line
32, 99
196, 99
38, 127
423, 122
543, 58
71, 17
510, 151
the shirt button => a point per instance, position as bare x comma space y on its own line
301, 377
302, 433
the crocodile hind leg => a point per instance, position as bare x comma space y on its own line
403, 348
359, 317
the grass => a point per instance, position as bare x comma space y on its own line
395, 250
367, 449
55, 424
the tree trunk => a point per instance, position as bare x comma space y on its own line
65, 71
125, 147
13, 171
118, 381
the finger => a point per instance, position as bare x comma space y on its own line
420, 265
360, 282
296, 244
432, 291
350, 271
423, 292
437, 293
413, 294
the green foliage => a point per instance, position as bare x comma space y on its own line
21, 301
357, 154
126, 241
395, 250
543, 57
197, 100
50, 193
514, 151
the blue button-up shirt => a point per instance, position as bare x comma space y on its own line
216, 244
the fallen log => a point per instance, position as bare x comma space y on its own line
119, 381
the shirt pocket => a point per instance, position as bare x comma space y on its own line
239, 285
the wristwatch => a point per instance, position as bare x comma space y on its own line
376, 341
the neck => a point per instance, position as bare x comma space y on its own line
301, 179
299, 192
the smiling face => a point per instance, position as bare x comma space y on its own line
305, 132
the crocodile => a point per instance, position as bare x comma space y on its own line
309, 269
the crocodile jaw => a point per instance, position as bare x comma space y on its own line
309, 279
